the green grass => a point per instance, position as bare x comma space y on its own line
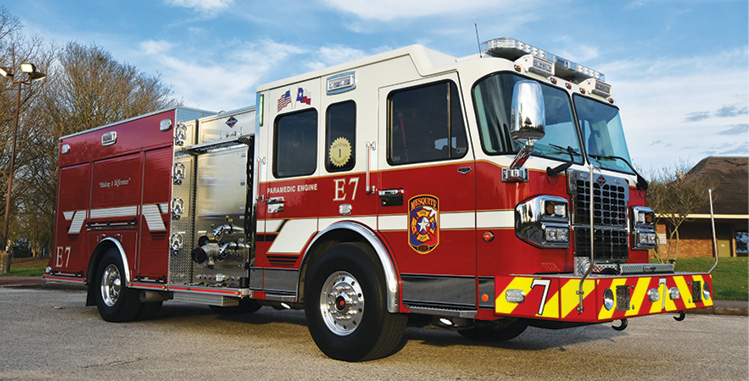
730, 278
27, 266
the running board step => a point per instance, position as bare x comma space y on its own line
466, 314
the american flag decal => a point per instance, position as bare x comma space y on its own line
285, 100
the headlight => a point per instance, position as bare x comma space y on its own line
543, 221
608, 299
643, 228
706, 291
654, 295
674, 293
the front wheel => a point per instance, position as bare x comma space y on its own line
114, 300
346, 305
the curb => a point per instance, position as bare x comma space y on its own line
718, 309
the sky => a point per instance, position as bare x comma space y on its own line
679, 68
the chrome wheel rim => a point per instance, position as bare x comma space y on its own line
341, 303
111, 284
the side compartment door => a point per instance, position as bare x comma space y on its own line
153, 256
427, 192
115, 200
71, 253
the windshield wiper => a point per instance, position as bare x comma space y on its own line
641, 183
564, 166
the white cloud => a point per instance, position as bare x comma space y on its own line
155, 47
210, 6
205, 81
389, 10
333, 55
686, 104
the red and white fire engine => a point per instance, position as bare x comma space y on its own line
482, 194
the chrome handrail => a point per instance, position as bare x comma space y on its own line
712, 222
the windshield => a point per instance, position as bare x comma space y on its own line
493, 99
603, 134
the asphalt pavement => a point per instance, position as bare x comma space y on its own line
49, 334
720, 307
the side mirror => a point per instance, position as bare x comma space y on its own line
528, 119
528, 115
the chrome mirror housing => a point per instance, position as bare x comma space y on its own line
528, 115
528, 120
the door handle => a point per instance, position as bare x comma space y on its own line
274, 200
275, 204
391, 197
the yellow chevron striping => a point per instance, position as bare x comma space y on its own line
670, 304
707, 302
570, 299
638, 297
505, 307
685, 291
607, 314
551, 310
663, 292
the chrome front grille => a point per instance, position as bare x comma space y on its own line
610, 199
610, 196
608, 244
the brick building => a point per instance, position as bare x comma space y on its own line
730, 205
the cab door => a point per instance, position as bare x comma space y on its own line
427, 192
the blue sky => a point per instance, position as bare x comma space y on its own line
679, 69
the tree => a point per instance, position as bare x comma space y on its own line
90, 89
15, 49
85, 88
674, 196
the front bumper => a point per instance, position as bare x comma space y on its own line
556, 297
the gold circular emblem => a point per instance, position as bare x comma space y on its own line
340, 152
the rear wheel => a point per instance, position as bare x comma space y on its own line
346, 305
114, 300
496, 332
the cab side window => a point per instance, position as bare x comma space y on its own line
295, 144
425, 123
340, 137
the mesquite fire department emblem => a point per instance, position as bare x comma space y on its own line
423, 223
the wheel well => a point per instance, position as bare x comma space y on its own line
93, 264
318, 247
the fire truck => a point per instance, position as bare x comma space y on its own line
482, 194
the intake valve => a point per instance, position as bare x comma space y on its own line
217, 248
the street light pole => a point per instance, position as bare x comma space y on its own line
4, 244
31, 75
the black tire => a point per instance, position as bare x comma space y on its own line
349, 274
496, 332
115, 301
245, 306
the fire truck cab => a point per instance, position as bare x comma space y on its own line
482, 194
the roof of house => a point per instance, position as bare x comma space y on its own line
731, 178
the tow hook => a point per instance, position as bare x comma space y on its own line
680, 317
622, 327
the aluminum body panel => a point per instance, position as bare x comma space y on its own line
221, 193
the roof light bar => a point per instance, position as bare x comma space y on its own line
537, 65
513, 49
597, 87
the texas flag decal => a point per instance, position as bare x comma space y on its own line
303, 96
